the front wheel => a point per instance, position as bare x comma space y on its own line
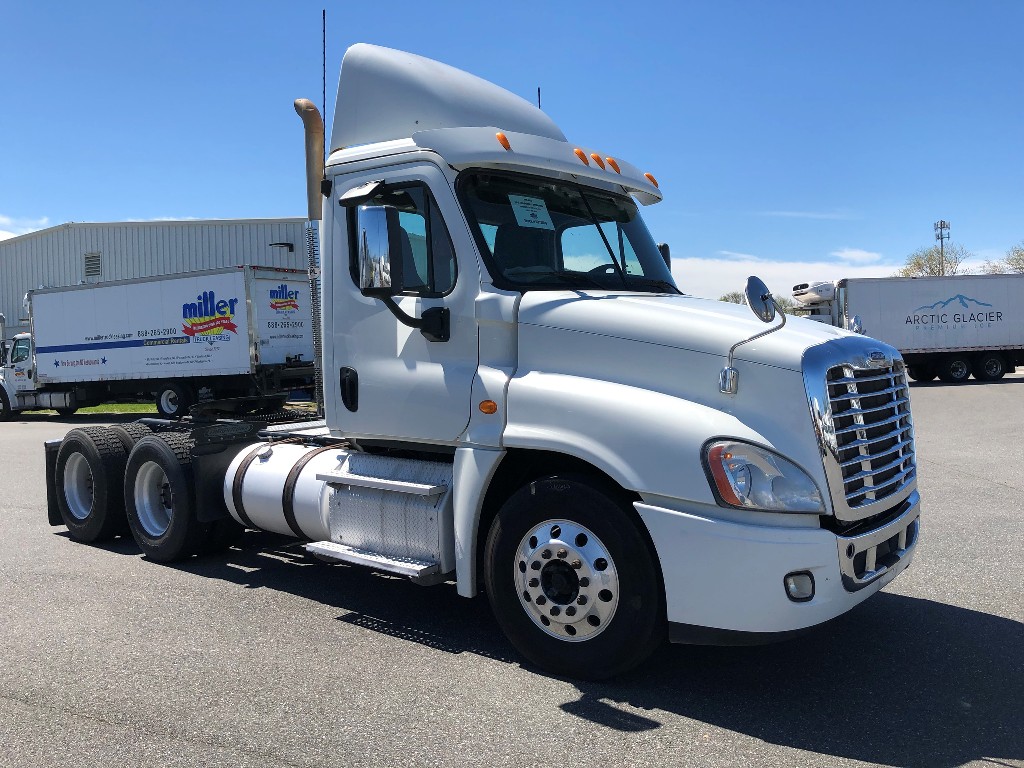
5, 406
571, 579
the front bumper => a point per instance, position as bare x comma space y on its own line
729, 576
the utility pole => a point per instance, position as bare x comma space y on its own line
942, 235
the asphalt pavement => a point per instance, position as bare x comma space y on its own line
262, 657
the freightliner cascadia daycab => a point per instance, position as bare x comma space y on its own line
518, 399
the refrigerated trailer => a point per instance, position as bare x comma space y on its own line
182, 338
948, 327
518, 399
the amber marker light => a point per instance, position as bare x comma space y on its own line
651, 179
488, 406
613, 164
717, 458
503, 140
597, 159
582, 156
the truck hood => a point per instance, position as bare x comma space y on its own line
675, 321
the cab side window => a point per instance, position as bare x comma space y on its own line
428, 257
20, 351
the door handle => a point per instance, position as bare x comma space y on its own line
348, 381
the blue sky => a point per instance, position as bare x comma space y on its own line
796, 140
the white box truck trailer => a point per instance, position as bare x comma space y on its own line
948, 327
518, 399
201, 335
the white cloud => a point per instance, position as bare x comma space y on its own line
740, 256
11, 227
857, 256
711, 278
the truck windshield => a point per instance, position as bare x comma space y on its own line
545, 234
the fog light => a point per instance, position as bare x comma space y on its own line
800, 586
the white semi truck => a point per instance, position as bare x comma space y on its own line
948, 327
200, 335
519, 400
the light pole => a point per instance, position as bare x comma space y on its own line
942, 235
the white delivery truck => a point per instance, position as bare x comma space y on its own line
948, 327
201, 335
519, 400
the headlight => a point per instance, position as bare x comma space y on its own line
749, 477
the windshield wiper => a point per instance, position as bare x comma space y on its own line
653, 282
575, 279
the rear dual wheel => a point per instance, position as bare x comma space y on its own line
159, 493
989, 367
955, 369
88, 473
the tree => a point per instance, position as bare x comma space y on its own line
1014, 262
735, 297
928, 262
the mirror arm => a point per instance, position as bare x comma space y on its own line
728, 381
435, 325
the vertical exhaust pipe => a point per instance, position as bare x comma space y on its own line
313, 127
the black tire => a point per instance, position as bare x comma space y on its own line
624, 597
990, 367
65, 412
129, 434
173, 400
5, 407
955, 369
87, 480
921, 372
159, 498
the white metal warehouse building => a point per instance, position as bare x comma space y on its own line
74, 254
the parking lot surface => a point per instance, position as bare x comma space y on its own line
262, 657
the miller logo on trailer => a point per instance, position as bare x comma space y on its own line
282, 299
207, 318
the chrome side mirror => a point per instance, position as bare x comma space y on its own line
857, 325
761, 303
759, 299
378, 239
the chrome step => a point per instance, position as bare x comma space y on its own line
403, 566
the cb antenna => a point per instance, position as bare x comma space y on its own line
323, 51
538, 97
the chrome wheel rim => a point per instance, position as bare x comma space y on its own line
566, 580
79, 492
154, 500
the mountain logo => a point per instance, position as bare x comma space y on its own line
933, 316
965, 302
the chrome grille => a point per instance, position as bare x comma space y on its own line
874, 436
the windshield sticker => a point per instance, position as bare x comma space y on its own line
531, 212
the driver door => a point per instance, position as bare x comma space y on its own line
392, 382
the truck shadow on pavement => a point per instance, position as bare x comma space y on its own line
898, 681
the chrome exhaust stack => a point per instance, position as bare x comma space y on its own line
313, 127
